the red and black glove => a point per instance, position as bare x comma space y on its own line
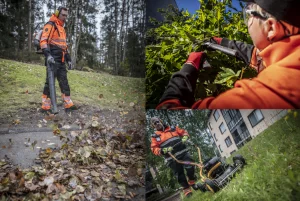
196, 59
180, 90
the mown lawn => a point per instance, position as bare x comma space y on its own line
273, 170
21, 86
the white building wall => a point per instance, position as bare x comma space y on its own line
221, 137
270, 117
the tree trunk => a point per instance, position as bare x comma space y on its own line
122, 31
29, 27
126, 29
116, 38
74, 41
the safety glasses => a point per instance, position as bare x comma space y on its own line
155, 123
248, 13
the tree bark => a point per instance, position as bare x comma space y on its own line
116, 38
122, 31
29, 27
74, 37
126, 29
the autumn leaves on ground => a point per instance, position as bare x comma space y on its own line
102, 148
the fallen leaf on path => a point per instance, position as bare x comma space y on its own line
48, 181
56, 131
16, 121
48, 150
95, 174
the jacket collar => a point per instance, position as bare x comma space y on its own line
56, 20
166, 129
279, 50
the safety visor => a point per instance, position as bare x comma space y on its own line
248, 13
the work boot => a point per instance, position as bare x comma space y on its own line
193, 184
46, 103
187, 192
68, 103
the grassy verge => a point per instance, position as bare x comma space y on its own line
21, 86
273, 170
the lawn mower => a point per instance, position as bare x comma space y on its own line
214, 173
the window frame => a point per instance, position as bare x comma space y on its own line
215, 116
215, 137
220, 127
209, 125
220, 148
252, 113
229, 140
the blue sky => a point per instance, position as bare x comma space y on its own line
193, 5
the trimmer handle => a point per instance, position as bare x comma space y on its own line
225, 50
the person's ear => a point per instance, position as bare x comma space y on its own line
273, 28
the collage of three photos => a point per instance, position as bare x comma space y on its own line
156, 100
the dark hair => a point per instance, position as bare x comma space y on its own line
64, 8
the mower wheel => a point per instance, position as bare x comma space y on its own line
201, 187
239, 160
211, 186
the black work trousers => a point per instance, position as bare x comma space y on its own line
60, 72
178, 170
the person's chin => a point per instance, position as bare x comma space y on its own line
159, 128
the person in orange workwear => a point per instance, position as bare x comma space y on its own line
274, 27
172, 139
54, 46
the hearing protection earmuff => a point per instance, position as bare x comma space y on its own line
58, 10
152, 124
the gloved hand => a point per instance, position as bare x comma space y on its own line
213, 40
196, 59
184, 139
70, 66
50, 60
167, 149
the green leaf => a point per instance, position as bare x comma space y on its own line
167, 57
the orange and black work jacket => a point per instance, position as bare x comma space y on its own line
168, 138
276, 86
53, 41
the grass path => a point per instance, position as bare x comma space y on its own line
21, 86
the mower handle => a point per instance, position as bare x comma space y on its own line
180, 142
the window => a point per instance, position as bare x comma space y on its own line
255, 117
228, 142
232, 118
216, 115
220, 149
215, 137
209, 126
222, 128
